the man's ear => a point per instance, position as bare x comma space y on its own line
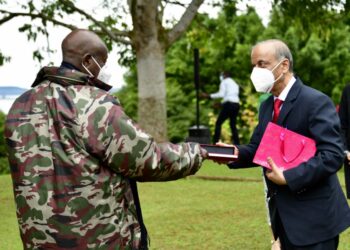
286, 65
86, 60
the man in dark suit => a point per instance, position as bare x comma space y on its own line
307, 206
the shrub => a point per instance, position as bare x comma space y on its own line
4, 166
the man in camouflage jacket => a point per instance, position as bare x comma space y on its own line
73, 153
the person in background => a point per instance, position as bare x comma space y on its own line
344, 115
75, 157
229, 92
307, 206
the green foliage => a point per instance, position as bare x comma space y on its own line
127, 95
181, 111
317, 33
180, 105
318, 16
319, 57
224, 44
4, 166
3, 59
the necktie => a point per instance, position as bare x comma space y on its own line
276, 109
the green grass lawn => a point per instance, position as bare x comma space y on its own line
191, 213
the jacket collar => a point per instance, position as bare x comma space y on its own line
290, 100
287, 104
67, 77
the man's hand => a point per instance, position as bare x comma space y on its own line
204, 153
348, 157
226, 161
275, 174
204, 95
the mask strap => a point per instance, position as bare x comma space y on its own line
93, 58
278, 77
277, 64
269, 90
280, 74
87, 70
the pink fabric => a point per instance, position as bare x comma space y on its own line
286, 148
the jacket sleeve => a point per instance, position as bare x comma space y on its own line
222, 91
324, 125
131, 152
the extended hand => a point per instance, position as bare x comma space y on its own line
275, 174
204, 95
222, 160
348, 157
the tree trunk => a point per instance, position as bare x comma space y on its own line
148, 41
151, 40
152, 115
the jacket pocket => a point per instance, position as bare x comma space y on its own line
320, 192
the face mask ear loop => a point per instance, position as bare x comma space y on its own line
96, 62
87, 70
277, 64
277, 77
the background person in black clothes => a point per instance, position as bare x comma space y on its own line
344, 115
229, 92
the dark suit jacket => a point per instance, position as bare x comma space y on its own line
312, 207
344, 115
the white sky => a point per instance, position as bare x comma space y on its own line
22, 69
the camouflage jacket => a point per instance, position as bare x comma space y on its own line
72, 151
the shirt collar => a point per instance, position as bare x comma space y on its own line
286, 90
68, 65
65, 77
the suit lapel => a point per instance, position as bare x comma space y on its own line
289, 102
267, 112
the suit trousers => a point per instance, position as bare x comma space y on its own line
331, 244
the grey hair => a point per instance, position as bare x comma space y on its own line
281, 51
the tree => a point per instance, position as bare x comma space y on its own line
320, 51
149, 39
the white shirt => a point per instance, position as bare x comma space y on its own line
285, 91
229, 91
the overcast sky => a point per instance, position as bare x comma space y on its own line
22, 69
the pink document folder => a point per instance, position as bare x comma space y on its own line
286, 148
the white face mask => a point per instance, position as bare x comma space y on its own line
103, 75
263, 79
221, 77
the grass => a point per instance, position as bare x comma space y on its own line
191, 213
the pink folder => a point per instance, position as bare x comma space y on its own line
286, 148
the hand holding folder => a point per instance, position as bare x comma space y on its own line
287, 148
222, 154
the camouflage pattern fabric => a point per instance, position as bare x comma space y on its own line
72, 151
